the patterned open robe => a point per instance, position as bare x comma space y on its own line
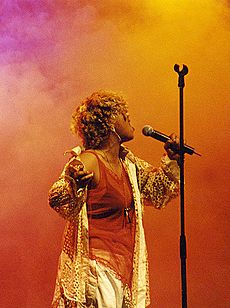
156, 186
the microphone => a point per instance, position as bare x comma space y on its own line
150, 132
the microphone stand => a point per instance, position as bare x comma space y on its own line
183, 254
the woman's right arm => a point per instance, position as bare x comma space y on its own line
68, 194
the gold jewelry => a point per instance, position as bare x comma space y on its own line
114, 131
104, 155
126, 213
127, 207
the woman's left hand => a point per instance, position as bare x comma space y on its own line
172, 147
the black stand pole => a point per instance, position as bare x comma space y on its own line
183, 256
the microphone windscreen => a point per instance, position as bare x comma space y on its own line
147, 130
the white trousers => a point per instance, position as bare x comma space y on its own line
109, 291
105, 290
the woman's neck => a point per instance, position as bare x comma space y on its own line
112, 148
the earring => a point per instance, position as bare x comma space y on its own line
114, 131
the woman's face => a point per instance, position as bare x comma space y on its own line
123, 127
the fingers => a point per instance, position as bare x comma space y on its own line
174, 139
75, 170
172, 155
86, 177
81, 176
172, 147
172, 143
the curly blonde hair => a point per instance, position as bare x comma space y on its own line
94, 119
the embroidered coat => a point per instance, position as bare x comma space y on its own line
157, 186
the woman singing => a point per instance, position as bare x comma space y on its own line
100, 194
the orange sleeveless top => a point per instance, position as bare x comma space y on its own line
111, 218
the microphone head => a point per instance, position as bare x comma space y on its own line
147, 130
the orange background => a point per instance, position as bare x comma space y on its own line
53, 54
